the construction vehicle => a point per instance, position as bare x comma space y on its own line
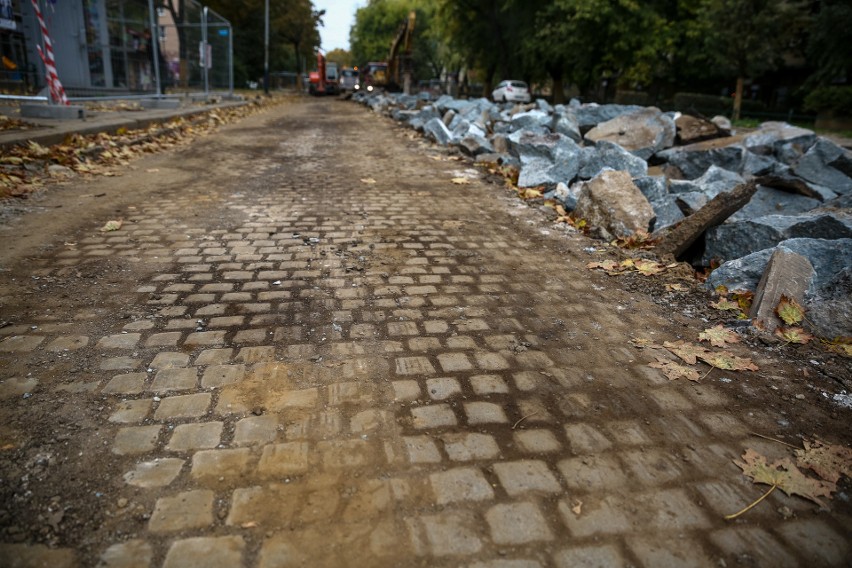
400, 65
374, 75
325, 80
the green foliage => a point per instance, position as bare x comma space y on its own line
340, 56
830, 40
378, 23
830, 99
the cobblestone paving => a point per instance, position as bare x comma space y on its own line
339, 373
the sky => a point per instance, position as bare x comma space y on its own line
339, 16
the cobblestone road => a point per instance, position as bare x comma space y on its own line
279, 364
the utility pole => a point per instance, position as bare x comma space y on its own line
266, 50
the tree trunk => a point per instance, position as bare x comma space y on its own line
558, 88
738, 98
296, 46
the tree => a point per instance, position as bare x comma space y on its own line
828, 46
340, 56
748, 37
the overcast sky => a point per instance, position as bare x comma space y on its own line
339, 16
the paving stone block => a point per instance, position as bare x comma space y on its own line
683, 552
525, 476
184, 511
196, 436
442, 388
605, 516
453, 362
816, 540
134, 553
183, 406
206, 552
488, 384
157, 473
169, 360
470, 446
414, 366
167, 380
586, 439
68, 343
135, 440
517, 523
421, 449
484, 413
460, 484
405, 390
128, 383
166, 339
221, 375
753, 545
283, 459
433, 416
214, 357
451, 533
537, 441
256, 430
117, 341
130, 411
604, 556
204, 338
215, 464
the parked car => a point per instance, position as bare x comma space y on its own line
515, 91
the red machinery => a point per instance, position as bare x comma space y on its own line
325, 80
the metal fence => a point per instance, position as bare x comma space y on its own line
117, 48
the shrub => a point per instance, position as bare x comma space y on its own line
837, 100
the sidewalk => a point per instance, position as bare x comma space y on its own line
51, 131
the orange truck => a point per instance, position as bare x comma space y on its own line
325, 80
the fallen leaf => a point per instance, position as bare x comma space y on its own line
460, 181
648, 267
530, 193
112, 226
793, 335
368, 181
689, 352
610, 266
675, 287
786, 476
725, 304
719, 336
577, 507
827, 461
641, 343
249, 525
722, 290
743, 298
674, 371
728, 362
790, 311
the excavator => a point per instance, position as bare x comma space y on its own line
397, 72
400, 64
325, 80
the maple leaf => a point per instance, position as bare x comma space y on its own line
790, 311
744, 298
725, 304
689, 352
827, 461
793, 335
610, 266
728, 362
674, 371
786, 476
719, 336
842, 345
641, 342
648, 267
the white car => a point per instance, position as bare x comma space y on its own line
515, 91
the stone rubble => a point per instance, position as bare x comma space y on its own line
804, 181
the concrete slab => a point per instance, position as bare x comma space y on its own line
787, 274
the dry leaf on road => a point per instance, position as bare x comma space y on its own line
786, 476
728, 362
368, 181
674, 371
689, 352
719, 336
112, 226
460, 181
827, 461
725, 304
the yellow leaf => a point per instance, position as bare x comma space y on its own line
828, 461
675, 287
689, 352
112, 226
648, 267
790, 311
460, 181
786, 476
674, 371
728, 362
368, 181
719, 336
793, 335
725, 304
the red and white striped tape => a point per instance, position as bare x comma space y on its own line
57, 93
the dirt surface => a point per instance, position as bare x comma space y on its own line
307, 347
